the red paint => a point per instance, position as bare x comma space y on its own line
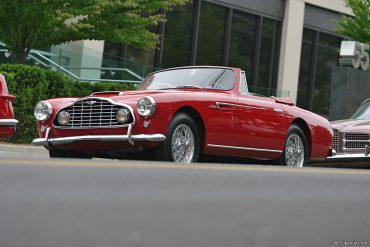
6, 108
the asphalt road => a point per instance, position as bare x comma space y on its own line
13, 151
99, 203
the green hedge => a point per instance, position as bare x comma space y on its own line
30, 84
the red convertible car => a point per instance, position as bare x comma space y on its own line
7, 121
352, 136
182, 113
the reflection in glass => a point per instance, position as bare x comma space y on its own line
305, 69
242, 42
265, 77
211, 34
327, 57
177, 36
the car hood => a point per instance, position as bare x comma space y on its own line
135, 95
352, 125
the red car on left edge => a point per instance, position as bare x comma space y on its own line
7, 120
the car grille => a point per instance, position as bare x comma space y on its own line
355, 140
335, 145
93, 113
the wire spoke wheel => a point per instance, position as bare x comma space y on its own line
294, 151
296, 148
182, 145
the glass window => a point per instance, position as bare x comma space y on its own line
267, 57
243, 42
363, 112
177, 36
213, 78
139, 60
305, 68
211, 34
243, 83
327, 57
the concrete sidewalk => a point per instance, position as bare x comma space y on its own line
12, 151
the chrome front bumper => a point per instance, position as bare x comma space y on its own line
8, 122
105, 138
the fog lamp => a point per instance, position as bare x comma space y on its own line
122, 115
63, 117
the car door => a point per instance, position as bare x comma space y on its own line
220, 116
261, 126
221, 121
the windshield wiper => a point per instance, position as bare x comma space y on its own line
189, 86
182, 87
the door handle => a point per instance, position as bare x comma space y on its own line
223, 106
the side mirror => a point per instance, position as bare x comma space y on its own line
354, 54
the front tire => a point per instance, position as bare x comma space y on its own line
296, 149
182, 143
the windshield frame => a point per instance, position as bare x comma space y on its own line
189, 86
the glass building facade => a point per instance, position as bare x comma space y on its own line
205, 33
319, 54
212, 32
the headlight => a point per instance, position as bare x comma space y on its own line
122, 115
63, 117
146, 106
42, 110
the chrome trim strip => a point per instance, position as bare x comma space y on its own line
8, 122
243, 148
220, 104
96, 127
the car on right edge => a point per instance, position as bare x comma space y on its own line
352, 136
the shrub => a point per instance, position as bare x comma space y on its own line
30, 84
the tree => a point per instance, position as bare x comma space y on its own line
357, 27
36, 24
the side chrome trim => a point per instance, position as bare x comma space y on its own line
224, 104
8, 122
105, 138
244, 148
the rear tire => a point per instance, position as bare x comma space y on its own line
296, 149
182, 143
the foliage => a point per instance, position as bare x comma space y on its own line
357, 27
30, 84
42, 23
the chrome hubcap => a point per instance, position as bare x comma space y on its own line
294, 151
182, 144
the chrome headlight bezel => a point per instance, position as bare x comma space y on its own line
43, 110
63, 117
122, 115
146, 106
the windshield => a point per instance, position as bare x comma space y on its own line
363, 112
213, 78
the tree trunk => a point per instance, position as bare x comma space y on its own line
21, 56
